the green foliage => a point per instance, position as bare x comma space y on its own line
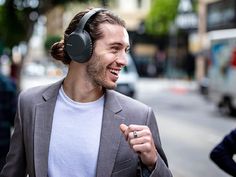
161, 15
16, 26
50, 40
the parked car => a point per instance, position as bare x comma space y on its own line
222, 69
128, 78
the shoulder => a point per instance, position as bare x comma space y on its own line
128, 102
231, 137
40, 93
233, 133
132, 110
32, 95
228, 143
34, 90
7, 84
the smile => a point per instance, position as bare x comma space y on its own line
115, 72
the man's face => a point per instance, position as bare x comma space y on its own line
109, 56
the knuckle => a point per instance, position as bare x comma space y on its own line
148, 146
130, 135
131, 127
131, 142
147, 138
147, 132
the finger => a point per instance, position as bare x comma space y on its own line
134, 127
132, 130
133, 135
141, 140
138, 134
142, 148
123, 128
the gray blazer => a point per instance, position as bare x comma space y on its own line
29, 148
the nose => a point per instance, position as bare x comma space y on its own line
122, 59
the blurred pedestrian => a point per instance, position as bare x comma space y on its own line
79, 126
160, 62
222, 154
8, 97
190, 65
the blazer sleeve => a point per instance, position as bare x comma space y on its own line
222, 154
15, 161
161, 169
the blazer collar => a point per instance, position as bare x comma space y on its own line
43, 126
110, 134
52, 90
111, 102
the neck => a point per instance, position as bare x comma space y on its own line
80, 88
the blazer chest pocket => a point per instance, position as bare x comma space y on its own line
126, 160
129, 164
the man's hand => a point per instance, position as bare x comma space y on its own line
140, 140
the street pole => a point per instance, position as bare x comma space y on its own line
186, 21
200, 62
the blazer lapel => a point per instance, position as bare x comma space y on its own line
109, 140
43, 125
110, 135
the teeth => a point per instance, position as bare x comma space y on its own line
116, 72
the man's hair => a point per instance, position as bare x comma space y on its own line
92, 27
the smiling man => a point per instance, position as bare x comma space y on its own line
80, 126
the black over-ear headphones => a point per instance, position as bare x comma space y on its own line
78, 44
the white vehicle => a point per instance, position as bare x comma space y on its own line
128, 78
222, 70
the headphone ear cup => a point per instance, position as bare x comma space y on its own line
79, 46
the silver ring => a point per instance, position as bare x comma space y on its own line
135, 134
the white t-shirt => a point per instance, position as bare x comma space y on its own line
75, 137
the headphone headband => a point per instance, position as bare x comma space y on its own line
86, 17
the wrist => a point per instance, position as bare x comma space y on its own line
151, 167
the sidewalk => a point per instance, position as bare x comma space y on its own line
175, 85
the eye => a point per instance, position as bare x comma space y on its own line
114, 49
127, 50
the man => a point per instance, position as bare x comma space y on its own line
79, 126
222, 154
8, 97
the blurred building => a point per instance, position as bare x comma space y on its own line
132, 11
54, 24
213, 15
144, 46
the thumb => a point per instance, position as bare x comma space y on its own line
123, 128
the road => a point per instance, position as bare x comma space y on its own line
189, 125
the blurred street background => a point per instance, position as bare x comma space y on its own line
183, 52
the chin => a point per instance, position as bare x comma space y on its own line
110, 86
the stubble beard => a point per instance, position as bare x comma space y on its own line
96, 71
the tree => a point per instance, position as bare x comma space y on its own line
17, 18
161, 15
